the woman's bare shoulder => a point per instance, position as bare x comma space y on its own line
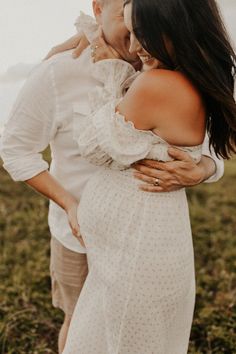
165, 101
165, 83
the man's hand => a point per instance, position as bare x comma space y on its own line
47, 185
173, 175
71, 210
78, 42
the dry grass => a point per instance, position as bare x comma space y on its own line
29, 324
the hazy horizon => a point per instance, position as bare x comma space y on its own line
35, 27
27, 38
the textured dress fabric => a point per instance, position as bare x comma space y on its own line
139, 295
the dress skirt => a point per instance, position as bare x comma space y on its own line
139, 295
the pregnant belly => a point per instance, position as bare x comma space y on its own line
111, 206
121, 224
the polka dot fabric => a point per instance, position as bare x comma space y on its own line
139, 295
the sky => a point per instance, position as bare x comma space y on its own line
29, 28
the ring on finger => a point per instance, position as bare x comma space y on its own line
93, 50
94, 46
156, 182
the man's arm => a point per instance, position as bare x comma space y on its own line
180, 173
31, 126
46, 184
29, 130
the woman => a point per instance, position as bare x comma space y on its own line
139, 295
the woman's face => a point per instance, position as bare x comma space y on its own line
135, 47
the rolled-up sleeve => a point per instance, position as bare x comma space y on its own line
219, 163
30, 126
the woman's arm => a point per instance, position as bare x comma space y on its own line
78, 43
86, 27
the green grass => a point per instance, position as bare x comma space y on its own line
28, 322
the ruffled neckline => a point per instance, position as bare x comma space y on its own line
130, 125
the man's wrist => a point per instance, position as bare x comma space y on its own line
208, 167
68, 201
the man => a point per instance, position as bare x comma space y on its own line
43, 115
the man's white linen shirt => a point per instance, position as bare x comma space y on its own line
43, 115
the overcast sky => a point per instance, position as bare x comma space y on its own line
29, 28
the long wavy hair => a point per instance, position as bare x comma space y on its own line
202, 51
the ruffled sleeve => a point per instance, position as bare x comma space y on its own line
105, 138
115, 75
98, 129
87, 25
112, 74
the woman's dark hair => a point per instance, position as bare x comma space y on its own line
202, 51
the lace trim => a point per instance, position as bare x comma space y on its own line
103, 140
130, 125
87, 24
112, 74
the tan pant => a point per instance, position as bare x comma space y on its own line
68, 273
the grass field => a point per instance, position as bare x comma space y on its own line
29, 324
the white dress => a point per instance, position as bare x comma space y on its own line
140, 291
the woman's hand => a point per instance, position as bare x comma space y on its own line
71, 210
101, 50
78, 42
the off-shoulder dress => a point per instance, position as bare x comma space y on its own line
140, 291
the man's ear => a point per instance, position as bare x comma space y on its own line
97, 10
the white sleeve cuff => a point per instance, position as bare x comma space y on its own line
219, 163
27, 168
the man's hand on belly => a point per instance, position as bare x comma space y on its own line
72, 210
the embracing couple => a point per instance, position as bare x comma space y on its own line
124, 145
